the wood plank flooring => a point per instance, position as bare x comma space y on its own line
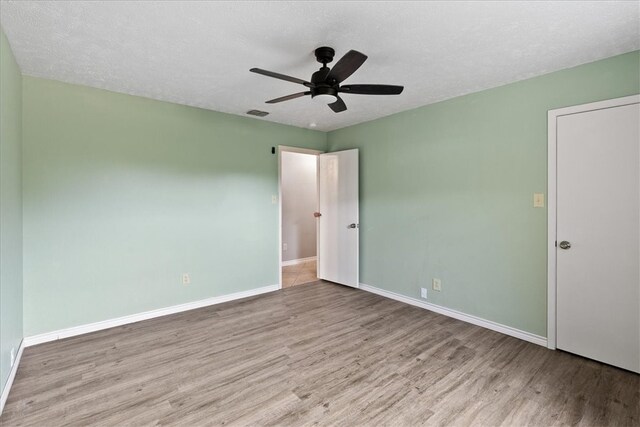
315, 354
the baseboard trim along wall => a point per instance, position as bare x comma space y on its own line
12, 375
298, 261
106, 324
507, 330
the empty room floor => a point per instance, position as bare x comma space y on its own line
298, 274
313, 354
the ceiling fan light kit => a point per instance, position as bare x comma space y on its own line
324, 95
325, 83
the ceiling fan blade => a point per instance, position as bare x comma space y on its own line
281, 77
346, 66
288, 97
372, 89
338, 106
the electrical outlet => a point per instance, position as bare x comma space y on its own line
13, 356
436, 284
423, 293
284, 246
186, 279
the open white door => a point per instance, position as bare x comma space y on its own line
338, 229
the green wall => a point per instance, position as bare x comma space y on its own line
10, 208
446, 191
124, 194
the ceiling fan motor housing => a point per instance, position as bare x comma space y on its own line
319, 77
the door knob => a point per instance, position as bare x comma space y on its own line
352, 225
565, 245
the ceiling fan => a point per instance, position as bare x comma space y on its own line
325, 86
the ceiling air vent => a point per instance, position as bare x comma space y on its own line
257, 113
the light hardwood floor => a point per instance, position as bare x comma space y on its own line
316, 354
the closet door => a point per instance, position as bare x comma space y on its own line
598, 235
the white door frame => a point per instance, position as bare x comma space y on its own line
282, 148
552, 165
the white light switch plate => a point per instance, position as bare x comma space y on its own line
538, 200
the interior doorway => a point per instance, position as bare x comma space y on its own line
298, 223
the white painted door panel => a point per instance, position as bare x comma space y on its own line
598, 212
339, 229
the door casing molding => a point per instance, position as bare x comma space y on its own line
552, 165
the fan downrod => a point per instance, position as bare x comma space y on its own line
324, 55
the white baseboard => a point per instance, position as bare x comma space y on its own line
298, 261
106, 324
507, 330
12, 375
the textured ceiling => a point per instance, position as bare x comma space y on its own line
199, 53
